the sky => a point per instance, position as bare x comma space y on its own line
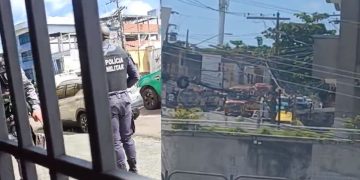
61, 10
203, 23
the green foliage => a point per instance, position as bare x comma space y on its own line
295, 42
266, 131
223, 129
353, 123
294, 133
297, 122
237, 43
182, 113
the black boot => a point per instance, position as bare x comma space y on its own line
132, 166
122, 166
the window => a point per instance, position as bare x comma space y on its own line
71, 90
26, 56
60, 91
29, 73
24, 38
58, 66
68, 88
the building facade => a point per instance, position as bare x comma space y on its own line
141, 36
339, 60
63, 46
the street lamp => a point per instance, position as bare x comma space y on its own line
212, 37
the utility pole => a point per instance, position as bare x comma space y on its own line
277, 33
293, 102
120, 20
277, 19
187, 39
279, 108
223, 6
223, 89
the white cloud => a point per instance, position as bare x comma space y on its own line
133, 7
66, 19
56, 5
18, 10
136, 7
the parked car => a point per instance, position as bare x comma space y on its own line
72, 105
150, 90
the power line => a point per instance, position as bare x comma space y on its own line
269, 6
278, 19
297, 84
316, 65
290, 72
267, 60
241, 14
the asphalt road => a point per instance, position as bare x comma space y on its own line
147, 138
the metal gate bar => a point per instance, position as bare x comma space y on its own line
93, 73
40, 46
16, 86
6, 166
96, 99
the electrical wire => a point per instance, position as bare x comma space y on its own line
297, 61
310, 87
241, 14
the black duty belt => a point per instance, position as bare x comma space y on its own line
117, 92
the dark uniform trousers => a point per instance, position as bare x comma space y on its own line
122, 126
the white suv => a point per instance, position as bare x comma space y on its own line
72, 105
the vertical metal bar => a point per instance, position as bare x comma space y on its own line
16, 84
94, 81
279, 107
46, 82
6, 166
139, 42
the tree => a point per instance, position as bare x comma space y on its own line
237, 44
295, 48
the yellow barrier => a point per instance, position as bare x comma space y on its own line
284, 116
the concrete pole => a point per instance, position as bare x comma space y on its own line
349, 60
277, 33
187, 39
222, 9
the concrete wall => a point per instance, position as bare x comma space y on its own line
325, 54
349, 60
231, 155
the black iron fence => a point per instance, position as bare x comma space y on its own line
96, 101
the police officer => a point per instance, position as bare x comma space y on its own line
31, 98
30, 93
121, 74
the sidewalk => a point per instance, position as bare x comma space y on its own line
147, 138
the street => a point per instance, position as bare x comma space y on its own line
147, 138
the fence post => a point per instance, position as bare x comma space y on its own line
231, 177
166, 175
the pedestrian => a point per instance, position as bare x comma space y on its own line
121, 74
32, 100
